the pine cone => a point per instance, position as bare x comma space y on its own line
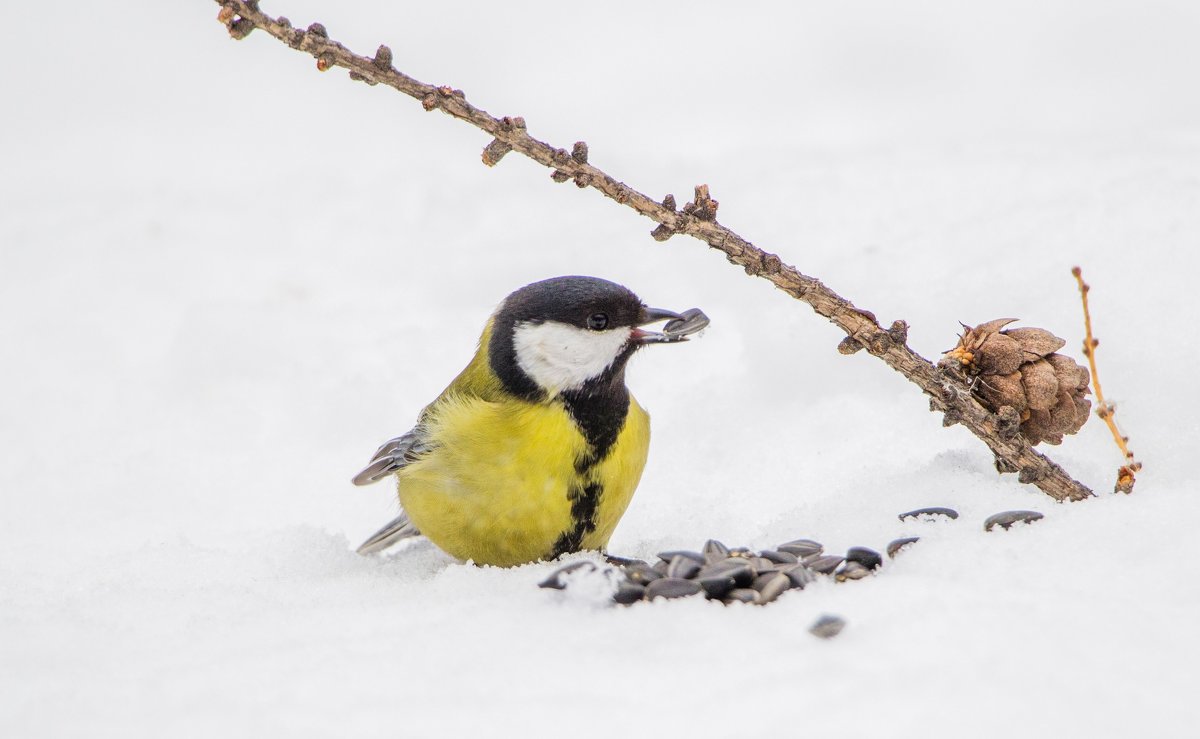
1019, 368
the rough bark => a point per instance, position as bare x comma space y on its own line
948, 394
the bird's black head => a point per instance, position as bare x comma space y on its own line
566, 332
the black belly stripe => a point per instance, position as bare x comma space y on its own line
599, 409
585, 502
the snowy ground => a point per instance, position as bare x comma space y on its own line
225, 278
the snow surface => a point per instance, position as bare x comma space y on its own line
225, 278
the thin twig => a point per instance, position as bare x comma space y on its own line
948, 394
1126, 473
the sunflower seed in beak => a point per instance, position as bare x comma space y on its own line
689, 322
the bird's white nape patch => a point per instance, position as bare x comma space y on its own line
559, 356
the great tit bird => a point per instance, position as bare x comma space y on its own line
535, 449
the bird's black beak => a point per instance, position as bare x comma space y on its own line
679, 325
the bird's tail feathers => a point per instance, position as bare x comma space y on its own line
396, 530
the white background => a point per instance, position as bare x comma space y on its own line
225, 278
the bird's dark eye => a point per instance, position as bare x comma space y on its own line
597, 321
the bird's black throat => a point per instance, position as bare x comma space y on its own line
599, 409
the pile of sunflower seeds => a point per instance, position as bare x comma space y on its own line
730, 575
741, 575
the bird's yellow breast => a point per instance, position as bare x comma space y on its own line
499, 486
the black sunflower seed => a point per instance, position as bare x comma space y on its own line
716, 585
827, 626
894, 547
682, 567
934, 511
1008, 518
852, 571
868, 558
714, 551
741, 595
668, 556
798, 574
742, 572
801, 547
774, 586
826, 564
628, 592
641, 574
557, 580
671, 587
779, 557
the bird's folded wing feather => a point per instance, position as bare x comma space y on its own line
394, 455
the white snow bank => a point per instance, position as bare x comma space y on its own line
224, 279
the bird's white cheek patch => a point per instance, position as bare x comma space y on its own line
558, 356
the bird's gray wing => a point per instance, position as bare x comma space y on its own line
394, 455
397, 529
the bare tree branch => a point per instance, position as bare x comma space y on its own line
1126, 473
948, 394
